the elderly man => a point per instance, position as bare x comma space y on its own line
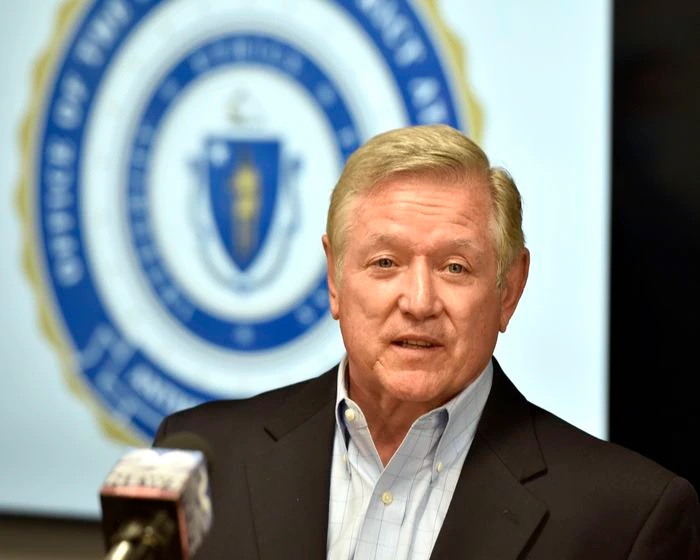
417, 445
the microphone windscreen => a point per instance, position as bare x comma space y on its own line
192, 441
168, 483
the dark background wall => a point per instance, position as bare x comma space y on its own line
655, 257
655, 286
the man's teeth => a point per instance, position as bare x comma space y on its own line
415, 344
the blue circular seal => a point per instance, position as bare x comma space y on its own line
185, 162
234, 49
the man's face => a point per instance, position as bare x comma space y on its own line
418, 305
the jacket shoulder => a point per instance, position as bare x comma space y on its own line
244, 419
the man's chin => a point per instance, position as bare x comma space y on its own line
415, 386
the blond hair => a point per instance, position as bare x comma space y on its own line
443, 152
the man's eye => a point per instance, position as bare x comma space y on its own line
455, 268
385, 263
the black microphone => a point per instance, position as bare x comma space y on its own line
156, 502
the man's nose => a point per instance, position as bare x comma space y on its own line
419, 296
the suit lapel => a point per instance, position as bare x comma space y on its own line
491, 515
290, 484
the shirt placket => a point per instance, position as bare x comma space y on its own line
380, 533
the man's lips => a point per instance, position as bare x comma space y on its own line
417, 342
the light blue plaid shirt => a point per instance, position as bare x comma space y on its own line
396, 512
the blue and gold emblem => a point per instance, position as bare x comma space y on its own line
178, 162
243, 180
249, 186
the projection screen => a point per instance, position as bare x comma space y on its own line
167, 168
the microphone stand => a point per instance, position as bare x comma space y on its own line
138, 541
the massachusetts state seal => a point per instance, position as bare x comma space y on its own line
178, 162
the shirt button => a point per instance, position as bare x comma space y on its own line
439, 466
349, 414
387, 498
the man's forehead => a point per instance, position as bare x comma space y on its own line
383, 238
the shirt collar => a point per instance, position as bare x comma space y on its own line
462, 413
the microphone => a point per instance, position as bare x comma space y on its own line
156, 502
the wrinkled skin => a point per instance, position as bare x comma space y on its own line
418, 304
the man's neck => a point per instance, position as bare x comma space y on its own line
388, 420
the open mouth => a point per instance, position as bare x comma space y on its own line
420, 344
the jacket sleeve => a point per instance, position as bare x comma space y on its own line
672, 528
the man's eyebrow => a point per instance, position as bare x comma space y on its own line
389, 238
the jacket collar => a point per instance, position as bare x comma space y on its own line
290, 485
491, 516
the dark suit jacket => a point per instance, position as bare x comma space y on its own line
531, 487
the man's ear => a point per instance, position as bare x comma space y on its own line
516, 278
330, 276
